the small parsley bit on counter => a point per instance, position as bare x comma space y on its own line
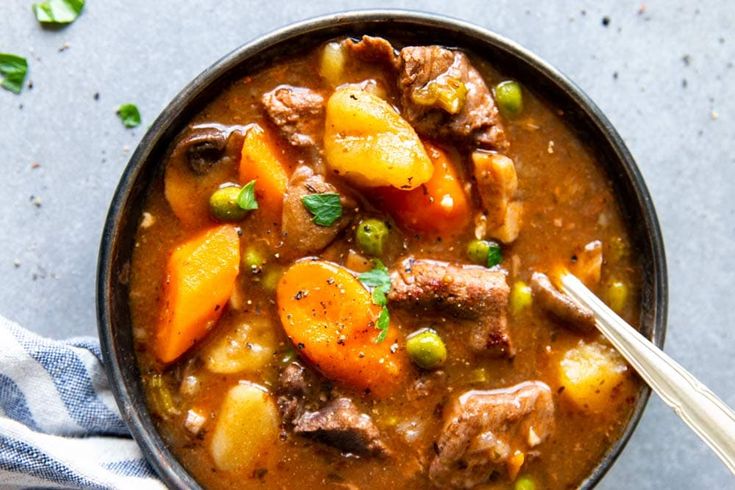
13, 71
58, 12
129, 115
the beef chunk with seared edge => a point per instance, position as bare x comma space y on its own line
298, 228
297, 111
477, 120
559, 306
483, 429
463, 291
340, 424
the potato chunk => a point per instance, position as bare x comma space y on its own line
589, 373
370, 144
246, 347
497, 183
246, 429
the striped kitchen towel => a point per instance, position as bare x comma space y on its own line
59, 425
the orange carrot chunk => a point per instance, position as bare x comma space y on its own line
200, 277
438, 206
263, 162
329, 316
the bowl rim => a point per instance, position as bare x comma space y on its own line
154, 449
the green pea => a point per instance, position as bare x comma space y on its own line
525, 482
509, 97
617, 295
253, 260
521, 297
371, 236
224, 206
426, 349
484, 252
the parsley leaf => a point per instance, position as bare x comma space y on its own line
382, 325
129, 115
246, 199
13, 70
326, 208
494, 254
378, 280
59, 12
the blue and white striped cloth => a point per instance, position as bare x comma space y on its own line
59, 425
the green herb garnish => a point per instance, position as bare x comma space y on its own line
378, 280
129, 115
494, 254
326, 208
13, 70
382, 324
246, 200
58, 12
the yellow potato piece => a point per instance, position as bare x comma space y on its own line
246, 347
497, 183
332, 63
246, 429
589, 373
370, 144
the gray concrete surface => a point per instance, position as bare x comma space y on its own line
663, 73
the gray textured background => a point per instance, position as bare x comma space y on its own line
662, 72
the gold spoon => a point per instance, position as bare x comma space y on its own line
693, 402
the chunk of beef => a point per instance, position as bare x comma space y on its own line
293, 388
298, 112
483, 429
477, 122
466, 292
559, 306
373, 50
340, 424
203, 147
298, 228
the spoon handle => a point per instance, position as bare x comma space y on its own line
693, 402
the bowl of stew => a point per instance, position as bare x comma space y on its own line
331, 261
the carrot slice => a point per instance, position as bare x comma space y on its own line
200, 277
438, 206
263, 162
329, 316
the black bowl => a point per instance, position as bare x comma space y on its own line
582, 114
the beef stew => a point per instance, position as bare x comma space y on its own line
395, 191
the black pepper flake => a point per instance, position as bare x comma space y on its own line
217, 307
301, 294
300, 346
561, 390
96, 96
330, 281
606, 21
